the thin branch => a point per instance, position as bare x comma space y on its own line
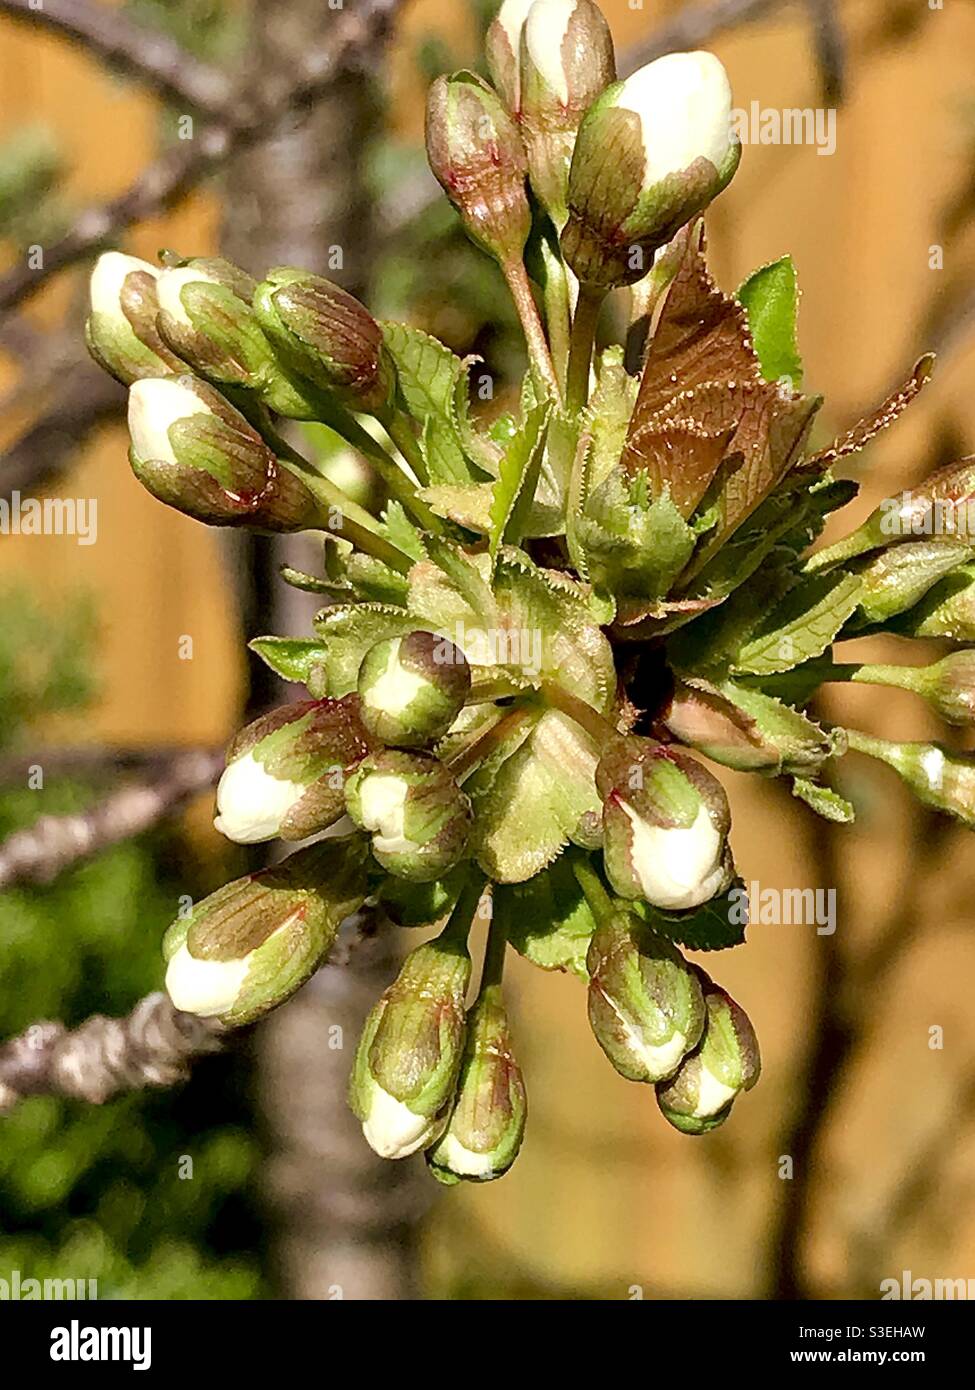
86, 397
829, 40
53, 844
145, 53
837, 1030
86, 761
183, 166
152, 1046
697, 25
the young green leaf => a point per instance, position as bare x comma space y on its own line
824, 801
771, 299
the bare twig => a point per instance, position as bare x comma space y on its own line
86, 396
183, 166
145, 53
830, 45
837, 1030
152, 1046
52, 844
87, 761
696, 25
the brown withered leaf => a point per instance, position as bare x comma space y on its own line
770, 436
685, 443
879, 419
640, 620
698, 335
701, 365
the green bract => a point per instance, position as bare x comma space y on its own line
528, 649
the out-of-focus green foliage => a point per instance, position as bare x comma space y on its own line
211, 29
147, 1194
31, 168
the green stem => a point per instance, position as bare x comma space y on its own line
557, 312
494, 955
481, 745
493, 688
860, 673
400, 431
539, 356
397, 484
343, 516
599, 728
594, 890
458, 925
581, 346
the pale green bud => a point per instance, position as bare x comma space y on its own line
121, 330
725, 1063
665, 825
323, 333
645, 1003
412, 688
285, 774
476, 153
250, 945
567, 59
409, 1055
419, 818
194, 451
487, 1123
651, 153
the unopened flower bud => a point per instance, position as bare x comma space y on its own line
947, 609
948, 685
419, 818
743, 736
938, 777
409, 1055
121, 330
725, 1063
476, 153
567, 59
286, 771
412, 688
194, 451
487, 1123
651, 153
665, 825
894, 580
943, 506
325, 334
502, 50
645, 1003
250, 945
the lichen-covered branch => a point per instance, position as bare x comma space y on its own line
152, 1046
353, 43
145, 53
38, 853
